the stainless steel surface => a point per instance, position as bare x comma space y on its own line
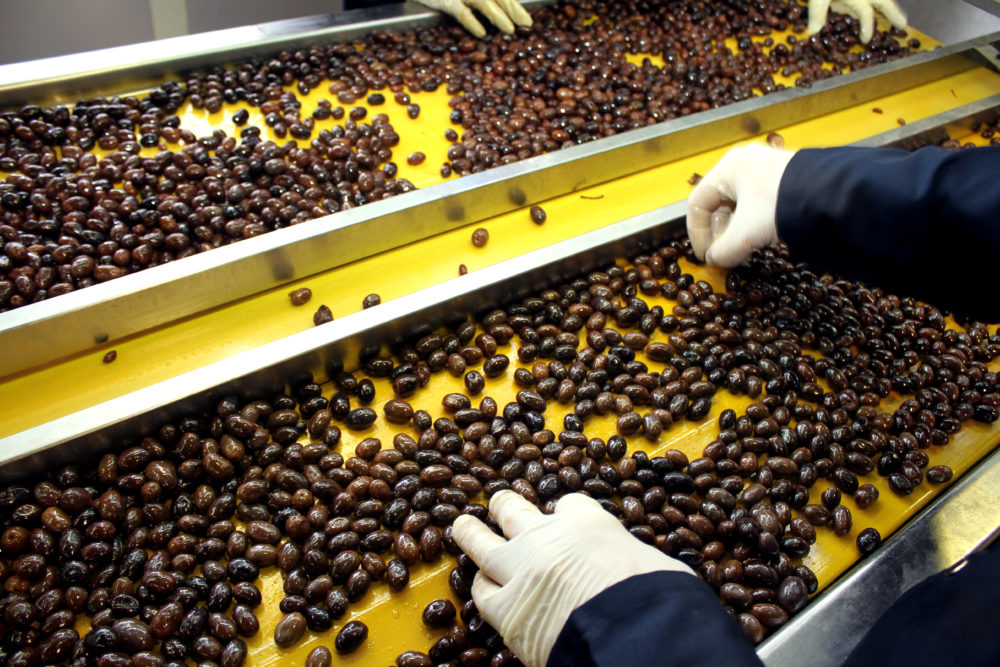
89, 431
953, 20
931, 131
989, 6
73, 322
960, 521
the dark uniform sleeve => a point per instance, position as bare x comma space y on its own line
924, 224
947, 619
658, 618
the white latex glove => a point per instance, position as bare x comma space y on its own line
731, 211
501, 13
862, 10
530, 583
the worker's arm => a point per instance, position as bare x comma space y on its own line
653, 619
922, 224
575, 588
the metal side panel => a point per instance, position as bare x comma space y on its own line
337, 344
959, 522
67, 324
949, 22
991, 7
932, 131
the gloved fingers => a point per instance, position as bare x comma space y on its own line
478, 542
892, 11
735, 243
862, 9
492, 11
469, 20
518, 14
513, 513
702, 202
728, 253
721, 218
818, 10
460, 12
484, 593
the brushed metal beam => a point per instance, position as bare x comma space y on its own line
932, 131
338, 344
73, 322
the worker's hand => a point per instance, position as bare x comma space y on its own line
862, 10
530, 583
731, 211
501, 13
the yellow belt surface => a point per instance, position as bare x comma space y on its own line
67, 385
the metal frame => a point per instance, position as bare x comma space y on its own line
266, 369
73, 322
931, 131
988, 6
950, 21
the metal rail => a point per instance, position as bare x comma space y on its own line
952, 21
989, 6
932, 131
266, 369
68, 324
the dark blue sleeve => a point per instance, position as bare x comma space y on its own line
924, 224
947, 619
653, 619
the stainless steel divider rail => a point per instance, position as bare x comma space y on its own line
336, 344
73, 322
931, 131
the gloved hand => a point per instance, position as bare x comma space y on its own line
501, 13
862, 10
731, 211
529, 584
